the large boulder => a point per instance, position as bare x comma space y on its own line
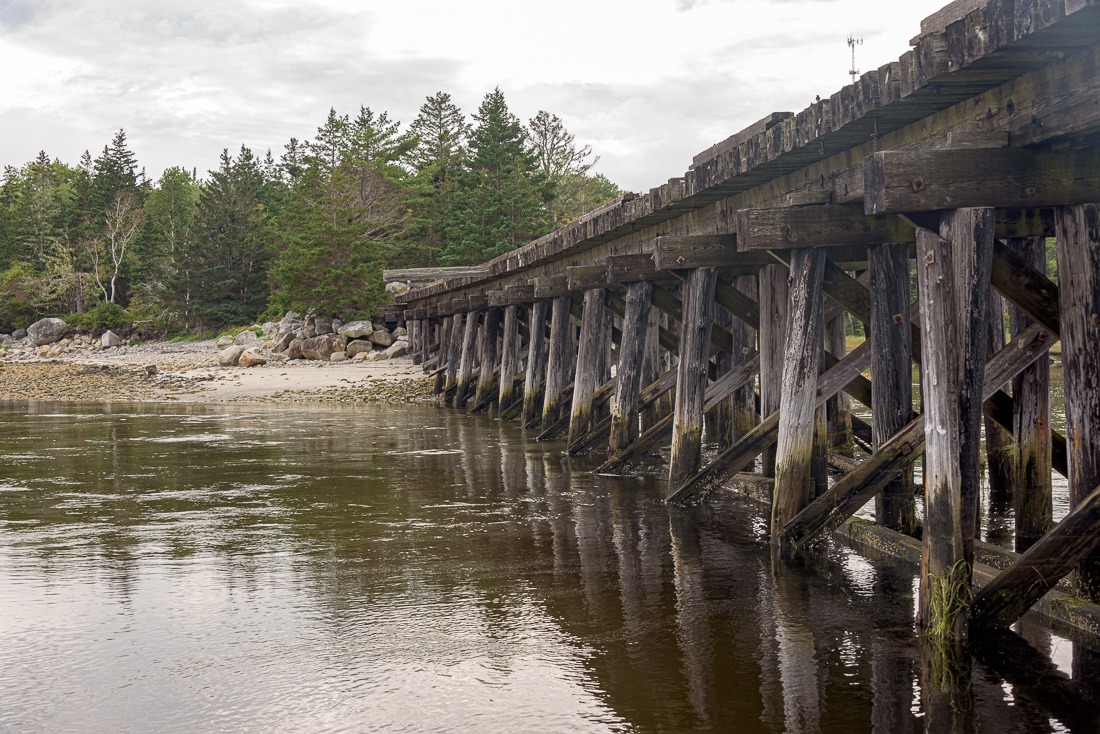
109, 339
294, 349
282, 343
47, 331
230, 356
223, 342
397, 349
19, 334
356, 329
381, 337
251, 358
246, 338
397, 288
322, 347
338, 357
322, 325
359, 346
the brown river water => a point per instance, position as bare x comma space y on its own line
411, 569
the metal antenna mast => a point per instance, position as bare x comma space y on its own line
854, 41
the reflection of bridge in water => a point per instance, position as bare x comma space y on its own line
692, 624
714, 293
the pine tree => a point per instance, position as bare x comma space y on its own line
439, 157
227, 267
345, 215
164, 288
114, 170
499, 203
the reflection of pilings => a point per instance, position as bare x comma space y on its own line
590, 518
947, 695
796, 652
693, 630
892, 674
559, 507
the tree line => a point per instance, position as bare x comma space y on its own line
314, 228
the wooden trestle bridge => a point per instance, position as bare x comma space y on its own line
714, 294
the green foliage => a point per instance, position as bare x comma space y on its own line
499, 205
345, 215
438, 159
226, 270
21, 287
570, 189
105, 315
313, 229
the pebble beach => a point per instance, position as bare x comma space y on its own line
189, 372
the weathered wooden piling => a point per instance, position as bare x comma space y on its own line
892, 369
443, 353
454, 356
1033, 494
509, 358
1077, 229
953, 269
624, 402
1000, 460
772, 337
691, 373
559, 366
466, 363
536, 361
594, 344
798, 391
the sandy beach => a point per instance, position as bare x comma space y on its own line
189, 372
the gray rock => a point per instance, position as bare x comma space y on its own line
251, 358
224, 342
109, 339
246, 337
356, 329
322, 326
398, 349
397, 288
230, 356
283, 342
294, 349
399, 332
47, 331
359, 346
375, 357
322, 347
269, 327
19, 334
361, 356
338, 357
381, 337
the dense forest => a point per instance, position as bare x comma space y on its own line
101, 244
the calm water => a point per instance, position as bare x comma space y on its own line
179, 569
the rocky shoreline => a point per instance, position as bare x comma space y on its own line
189, 372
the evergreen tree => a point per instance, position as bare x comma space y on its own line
345, 215
499, 203
164, 289
226, 270
114, 170
438, 159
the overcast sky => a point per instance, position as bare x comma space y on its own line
647, 83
